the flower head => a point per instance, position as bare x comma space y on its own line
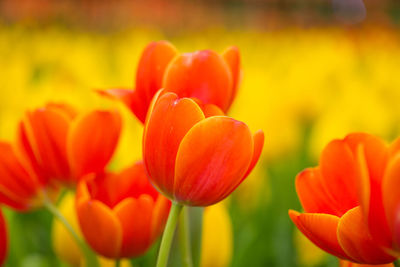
3, 239
349, 202
210, 77
192, 159
128, 212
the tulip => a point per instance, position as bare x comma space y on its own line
194, 160
64, 245
120, 215
344, 263
206, 75
217, 239
3, 240
349, 202
53, 138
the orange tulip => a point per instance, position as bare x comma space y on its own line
3, 239
350, 200
194, 160
54, 137
206, 75
344, 263
121, 214
54, 146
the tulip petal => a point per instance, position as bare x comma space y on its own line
339, 175
168, 123
203, 75
312, 194
258, 138
391, 197
160, 216
96, 134
344, 263
100, 227
356, 241
3, 240
46, 131
211, 161
135, 218
150, 72
123, 95
212, 110
320, 229
232, 58
17, 185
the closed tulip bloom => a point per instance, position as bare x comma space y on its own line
206, 75
194, 160
348, 200
120, 215
3, 240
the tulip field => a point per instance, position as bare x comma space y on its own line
219, 147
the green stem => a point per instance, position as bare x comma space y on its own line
184, 238
168, 234
90, 257
396, 263
117, 262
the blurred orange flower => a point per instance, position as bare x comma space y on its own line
206, 75
195, 160
351, 200
121, 214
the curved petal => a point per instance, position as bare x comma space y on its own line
43, 141
211, 161
312, 194
135, 218
97, 134
3, 239
169, 121
212, 110
232, 58
344, 263
320, 229
203, 74
338, 169
149, 75
258, 139
160, 216
18, 187
356, 241
123, 95
100, 227
391, 197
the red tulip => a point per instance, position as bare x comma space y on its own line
3, 239
344, 263
53, 139
206, 75
120, 215
194, 160
349, 199
54, 146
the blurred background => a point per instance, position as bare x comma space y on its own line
313, 70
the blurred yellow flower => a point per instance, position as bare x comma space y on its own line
217, 240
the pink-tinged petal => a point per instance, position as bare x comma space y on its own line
203, 75
344, 263
391, 198
168, 123
232, 58
320, 229
135, 218
338, 168
356, 241
100, 227
92, 140
312, 194
212, 159
44, 134
3, 240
